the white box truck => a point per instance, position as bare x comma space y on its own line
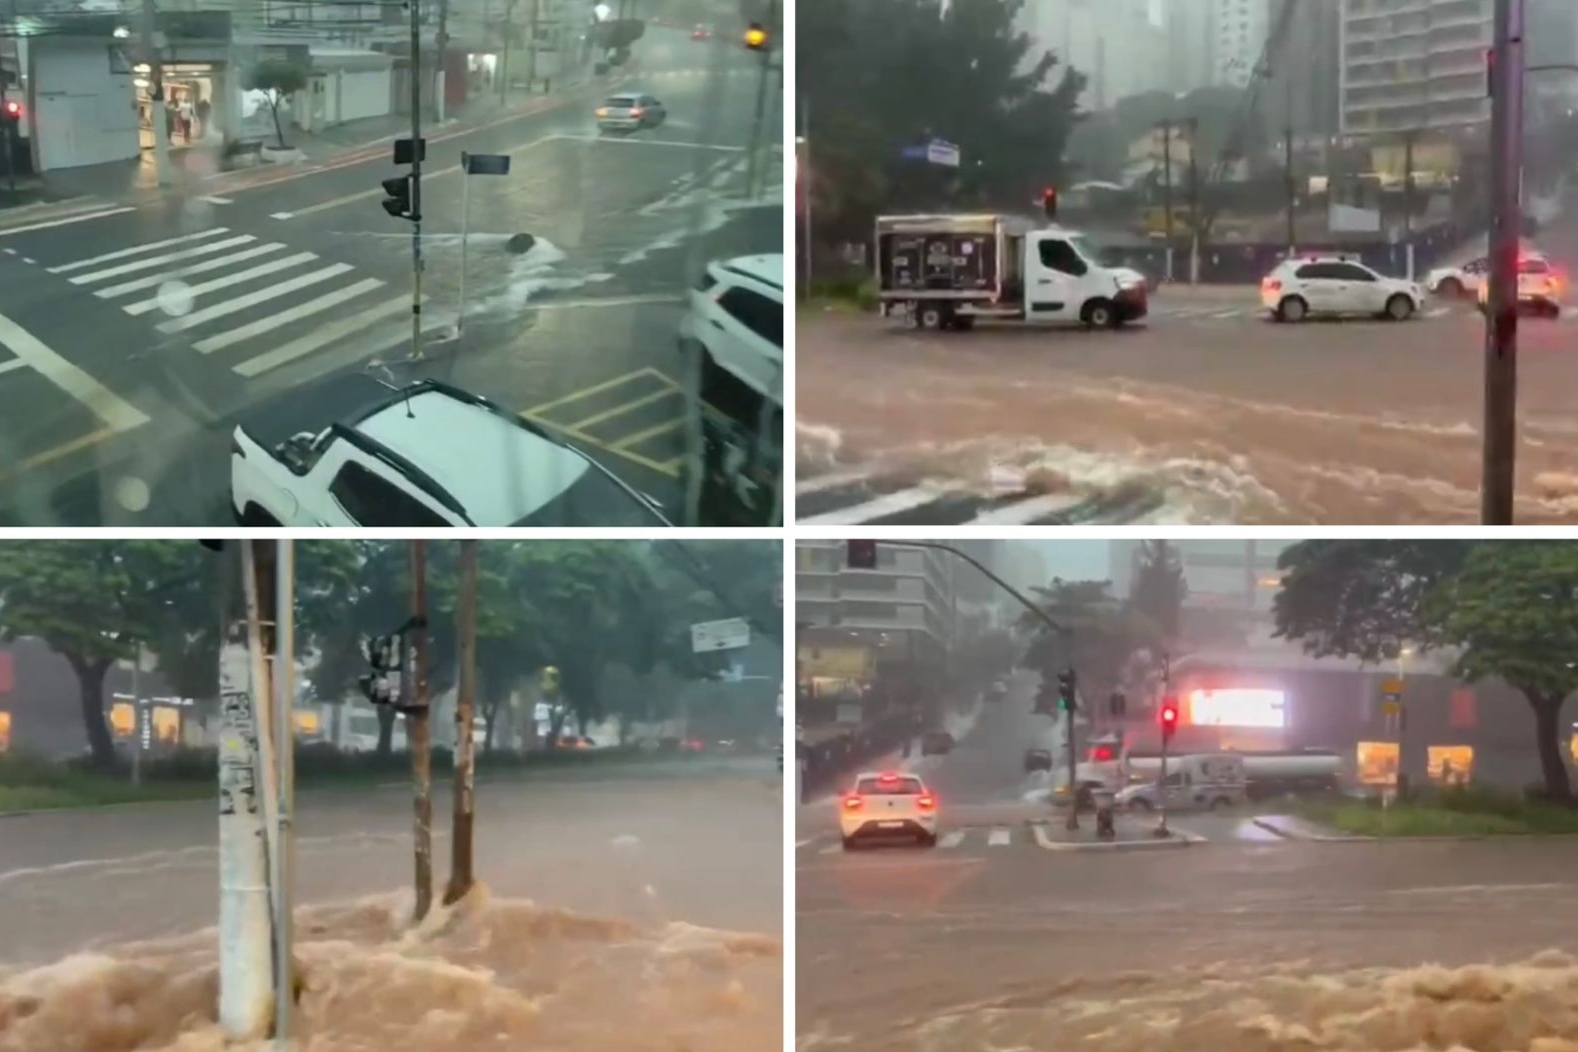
948, 271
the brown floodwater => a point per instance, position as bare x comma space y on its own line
484, 976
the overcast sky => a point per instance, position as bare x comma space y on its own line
1073, 560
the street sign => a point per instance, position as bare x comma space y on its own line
1391, 686
485, 163
709, 636
1391, 708
938, 152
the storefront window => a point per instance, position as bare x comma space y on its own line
1378, 763
122, 719
1451, 764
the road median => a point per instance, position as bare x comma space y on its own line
1459, 814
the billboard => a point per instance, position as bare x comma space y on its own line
1238, 707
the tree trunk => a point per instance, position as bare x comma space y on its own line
1547, 730
90, 695
386, 722
279, 133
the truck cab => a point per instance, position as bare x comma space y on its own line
946, 272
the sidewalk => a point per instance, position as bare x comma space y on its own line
200, 169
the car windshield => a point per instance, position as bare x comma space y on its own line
221, 235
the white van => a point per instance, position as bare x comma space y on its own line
1213, 781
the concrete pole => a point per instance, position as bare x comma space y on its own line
245, 985
284, 855
161, 134
1501, 319
460, 865
418, 736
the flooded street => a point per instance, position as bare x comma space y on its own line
639, 911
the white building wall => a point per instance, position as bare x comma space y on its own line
1240, 29
83, 111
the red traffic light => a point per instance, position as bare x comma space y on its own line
1049, 201
1170, 713
13, 109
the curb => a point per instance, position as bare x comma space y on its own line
1286, 834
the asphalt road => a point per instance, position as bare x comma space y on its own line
1208, 413
702, 846
280, 299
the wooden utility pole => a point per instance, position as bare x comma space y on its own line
417, 732
460, 868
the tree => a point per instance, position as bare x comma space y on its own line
1159, 590
1099, 636
1511, 612
97, 602
277, 79
1361, 599
882, 75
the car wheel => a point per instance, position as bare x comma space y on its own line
1141, 804
1221, 803
1452, 288
1399, 308
1098, 314
254, 516
928, 840
1293, 309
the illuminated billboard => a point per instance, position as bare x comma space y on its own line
1240, 707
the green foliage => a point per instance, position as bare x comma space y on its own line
880, 75
279, 79
1099, 634
1159, 590
1457, 812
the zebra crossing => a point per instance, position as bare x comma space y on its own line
858, 498
238, 293
968, 840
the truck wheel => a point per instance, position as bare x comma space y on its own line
932, 318
1140, 804
1221, 803
1098, 314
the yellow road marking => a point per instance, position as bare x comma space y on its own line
38, 460
575, 396
622, 408
651, 432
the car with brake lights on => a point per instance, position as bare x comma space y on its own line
1541, 288
888, 805
1335, 285
629, 112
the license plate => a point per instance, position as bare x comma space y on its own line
891, 825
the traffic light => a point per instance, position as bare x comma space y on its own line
12, 110
1118, 705
1169, 717
862, 555
1049, 202
398, 201
1067, 690
756, 37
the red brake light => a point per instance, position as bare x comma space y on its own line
1102, 753
852, 803
887, 776
1271, 285
926, 802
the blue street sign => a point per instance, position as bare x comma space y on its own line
938, 152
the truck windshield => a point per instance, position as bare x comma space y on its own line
1089, 250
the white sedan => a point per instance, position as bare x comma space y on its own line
888, 805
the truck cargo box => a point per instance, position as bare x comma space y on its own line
939, 254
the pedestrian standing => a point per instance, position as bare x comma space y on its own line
186, 118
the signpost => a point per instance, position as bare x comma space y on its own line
707, 637
935, 151
473, 164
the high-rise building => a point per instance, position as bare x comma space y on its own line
1302, 89
1413, 64
903, 611
1234, 577
1239, 29
1115, 44
1189, 29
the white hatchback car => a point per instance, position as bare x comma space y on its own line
736, 319
428, 455
1336, 285
890, 804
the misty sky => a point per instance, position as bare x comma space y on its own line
1073, 560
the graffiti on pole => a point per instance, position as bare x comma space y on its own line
238, 743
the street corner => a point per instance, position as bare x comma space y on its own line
1053, 836
639, 416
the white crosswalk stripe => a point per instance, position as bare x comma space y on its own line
968, 839
262, 302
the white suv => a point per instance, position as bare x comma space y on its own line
890, 804
1336, 285
736, 318
429, 455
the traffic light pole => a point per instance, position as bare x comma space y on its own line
1073, 782
1501, 318
1161, 783
416, 188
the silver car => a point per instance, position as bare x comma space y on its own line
630, 113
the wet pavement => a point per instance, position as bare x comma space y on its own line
1207, 413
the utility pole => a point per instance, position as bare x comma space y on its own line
1193, 124
1167, 189
461, 875
416, 183
284, 854
150, 55
1408, 197
1161, 780
244, 907
1287, 160
1501, 318
441, 45
417, 732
